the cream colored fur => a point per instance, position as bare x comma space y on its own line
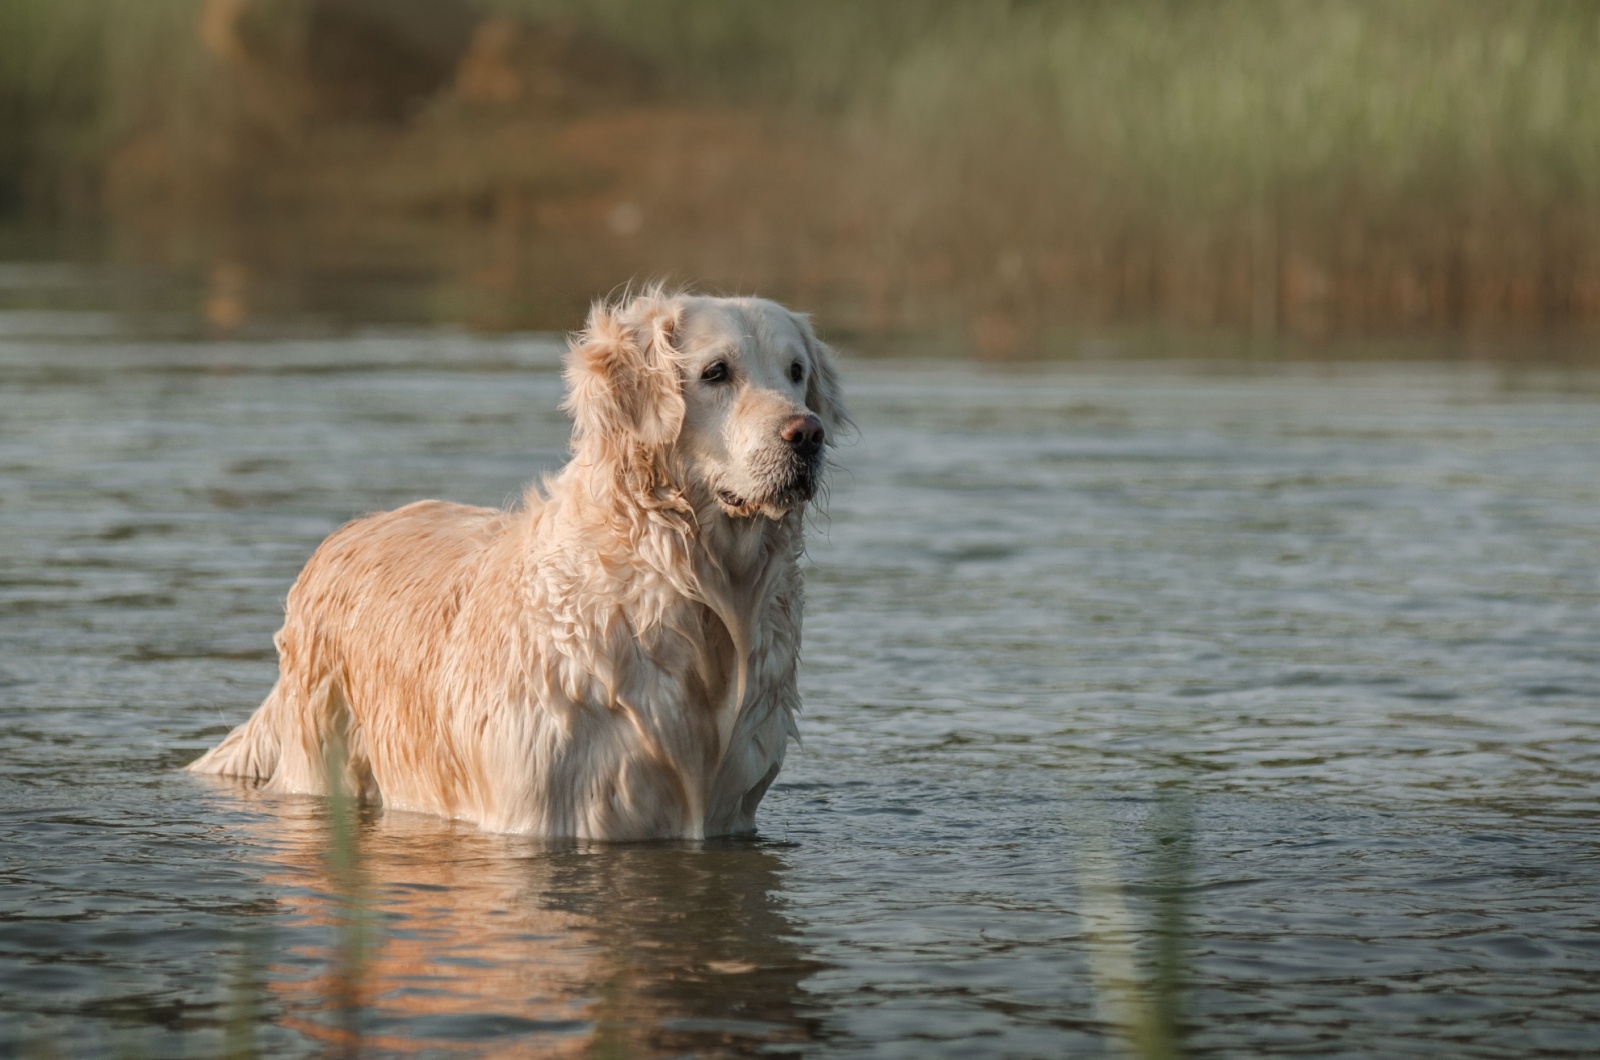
614, 659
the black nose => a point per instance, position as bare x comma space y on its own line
804, 434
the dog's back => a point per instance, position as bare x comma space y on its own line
361, 659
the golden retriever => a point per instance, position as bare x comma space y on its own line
615, 658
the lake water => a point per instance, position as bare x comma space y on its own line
1292, 675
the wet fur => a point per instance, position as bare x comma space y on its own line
615, 658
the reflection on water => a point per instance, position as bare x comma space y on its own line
429, 935
1351, 611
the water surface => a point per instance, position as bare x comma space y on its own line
1332, 631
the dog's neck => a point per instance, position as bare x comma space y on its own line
748, 573
734, 563
734, 596
744, 565
745, 548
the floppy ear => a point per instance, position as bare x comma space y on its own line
622, 377
824, 395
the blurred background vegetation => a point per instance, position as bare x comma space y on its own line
994, 177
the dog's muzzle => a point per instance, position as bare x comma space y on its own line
804, 437
793, 476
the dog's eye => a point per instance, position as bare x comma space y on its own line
716, 372
796, 373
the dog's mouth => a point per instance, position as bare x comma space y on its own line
731, 502
774, 505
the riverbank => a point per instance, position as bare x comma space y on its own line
1010, 174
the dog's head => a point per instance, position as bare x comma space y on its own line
734, 398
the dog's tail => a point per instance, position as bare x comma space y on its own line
251, 750
298, 741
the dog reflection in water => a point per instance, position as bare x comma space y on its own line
426, 936
615, 658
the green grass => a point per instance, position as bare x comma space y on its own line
1187, 105
1315, 165
1180, 105
77, 77
1141, 964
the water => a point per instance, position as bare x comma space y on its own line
1312, 649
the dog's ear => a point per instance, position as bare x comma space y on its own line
622, 375
824, 395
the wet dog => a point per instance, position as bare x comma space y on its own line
615, 658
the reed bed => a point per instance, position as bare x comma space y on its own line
1001, 171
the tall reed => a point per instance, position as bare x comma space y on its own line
1278, 164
